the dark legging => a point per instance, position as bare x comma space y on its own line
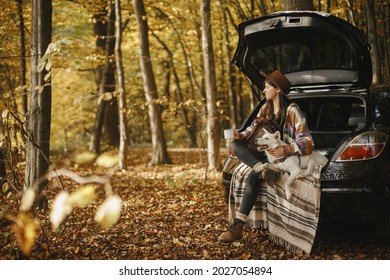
245, 155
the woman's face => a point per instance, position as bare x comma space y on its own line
270, 91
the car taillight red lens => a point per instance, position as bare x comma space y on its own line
364, 146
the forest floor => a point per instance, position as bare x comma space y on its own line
172, 212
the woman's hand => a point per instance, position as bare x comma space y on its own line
277, 152
237, 135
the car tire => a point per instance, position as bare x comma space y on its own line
382, 229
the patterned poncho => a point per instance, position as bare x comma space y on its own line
294, 132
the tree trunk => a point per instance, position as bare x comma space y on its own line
263, 8
121, 88
107, 113
372, 38
386, 42
22, 58
241, 11
39, 118
328, 6
232, 99
159, 153
192, 126
179, 94
213, 133
296, 5
351, 14
111, 117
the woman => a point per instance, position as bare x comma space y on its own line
290, 121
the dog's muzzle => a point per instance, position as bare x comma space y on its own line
262, 147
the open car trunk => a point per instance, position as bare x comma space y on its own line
332, 118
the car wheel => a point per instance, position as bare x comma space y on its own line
382, 229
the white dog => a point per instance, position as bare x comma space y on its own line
292, 164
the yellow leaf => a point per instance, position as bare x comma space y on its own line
2, 105
41, 65
60, 209
107, 160
107, 96
39, 88
27, 199
66, 41
77, 100
85, 157
48, 66
25, 229
109, 211
47, 76
82, 196
5, 187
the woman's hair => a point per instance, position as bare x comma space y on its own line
268, 112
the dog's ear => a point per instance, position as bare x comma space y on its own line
277, 135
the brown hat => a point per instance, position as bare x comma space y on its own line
279, 80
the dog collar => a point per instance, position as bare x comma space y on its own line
278, 160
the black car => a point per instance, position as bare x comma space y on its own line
327, 61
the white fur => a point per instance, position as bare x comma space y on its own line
292, 164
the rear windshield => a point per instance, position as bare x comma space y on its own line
322, 55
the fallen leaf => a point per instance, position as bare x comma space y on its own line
25, 229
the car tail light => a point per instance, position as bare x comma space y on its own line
365, 146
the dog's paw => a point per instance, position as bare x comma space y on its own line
258, 168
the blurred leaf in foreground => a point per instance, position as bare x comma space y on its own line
27, 199
82, 196
85, 157
109, 212
60, 209
107, 160
25, 229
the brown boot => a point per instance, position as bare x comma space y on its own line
232, 234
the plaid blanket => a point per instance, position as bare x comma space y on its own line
291, 223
